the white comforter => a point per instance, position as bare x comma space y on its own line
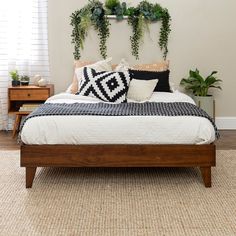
118, 129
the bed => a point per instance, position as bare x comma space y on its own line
118, 141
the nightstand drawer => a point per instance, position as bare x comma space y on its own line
29, 94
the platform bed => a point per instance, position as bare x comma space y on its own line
202, 156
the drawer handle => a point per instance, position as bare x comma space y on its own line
28, 94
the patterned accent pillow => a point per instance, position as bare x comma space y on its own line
163, 78
77, 64
105, 85
104, 65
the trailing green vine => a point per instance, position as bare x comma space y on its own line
95, 14
164, 32
101, 24
137, 23
92, 14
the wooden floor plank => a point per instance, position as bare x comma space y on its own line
7, 142
227, 140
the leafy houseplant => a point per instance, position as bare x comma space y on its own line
81, 20
114, 7
15, 78
111, 5
24, 80
140, 17
200, 86
95, 14
137, 23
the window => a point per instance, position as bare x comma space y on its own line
23, 44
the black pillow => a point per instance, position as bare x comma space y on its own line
163, 78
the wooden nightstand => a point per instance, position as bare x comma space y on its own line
17, 96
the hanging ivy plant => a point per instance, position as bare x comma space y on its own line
137, 23
139, 18
164, 32
114, 7
81, 20
95, 14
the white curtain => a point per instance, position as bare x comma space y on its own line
23, 45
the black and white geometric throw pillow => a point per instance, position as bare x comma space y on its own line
105, 85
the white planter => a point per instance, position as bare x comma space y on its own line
113, 17
206, 103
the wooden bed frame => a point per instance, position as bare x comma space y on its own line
33, 156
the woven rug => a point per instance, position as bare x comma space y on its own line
136, 201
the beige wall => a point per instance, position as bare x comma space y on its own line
203, 36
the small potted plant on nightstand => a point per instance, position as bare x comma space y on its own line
15, 78
24, 80
199, 86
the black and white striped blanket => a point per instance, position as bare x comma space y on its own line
123, 109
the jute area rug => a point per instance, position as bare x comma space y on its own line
136, 201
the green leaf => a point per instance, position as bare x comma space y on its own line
111, 4
213, 73
200, 85
213, 86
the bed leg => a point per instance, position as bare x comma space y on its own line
30, 173
206, 176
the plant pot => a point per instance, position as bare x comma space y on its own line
206, 103
15, 83
24, 83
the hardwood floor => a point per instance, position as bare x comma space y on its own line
227, 140
7, 142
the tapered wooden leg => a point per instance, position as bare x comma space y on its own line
206, 176
30, 173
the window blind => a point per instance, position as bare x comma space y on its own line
23, 45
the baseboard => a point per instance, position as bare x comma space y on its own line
226, 122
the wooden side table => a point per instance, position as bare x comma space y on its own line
17, 96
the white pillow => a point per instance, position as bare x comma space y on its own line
122, 66
68, 90
141, 90
104, 65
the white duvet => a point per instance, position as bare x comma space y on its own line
118, 129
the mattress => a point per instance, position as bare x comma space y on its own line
118, 129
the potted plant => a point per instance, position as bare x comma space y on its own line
200, 86
15, 78
24, 80
111, 5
